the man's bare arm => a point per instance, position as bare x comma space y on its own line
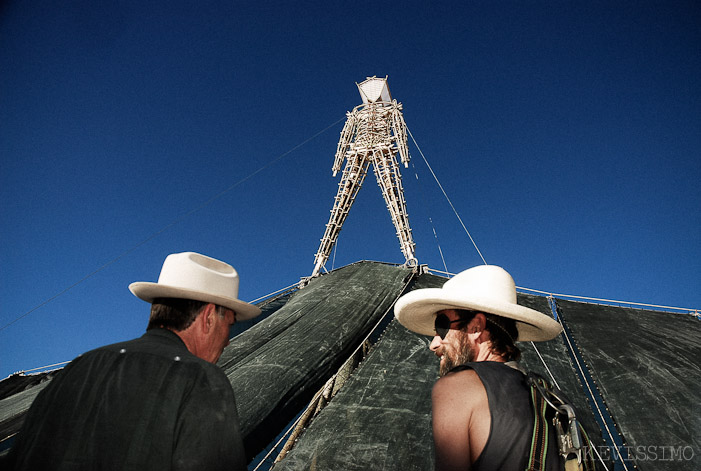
461, 420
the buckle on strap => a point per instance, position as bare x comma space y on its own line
565, 421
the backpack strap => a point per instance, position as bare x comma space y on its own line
539, 440
573, 442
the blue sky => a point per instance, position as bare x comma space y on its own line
566, 134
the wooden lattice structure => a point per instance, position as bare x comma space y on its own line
374, 133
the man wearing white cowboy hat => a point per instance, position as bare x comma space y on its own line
482, 414
153, 403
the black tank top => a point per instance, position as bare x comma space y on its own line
509, 442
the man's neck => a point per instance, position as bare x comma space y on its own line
485, 353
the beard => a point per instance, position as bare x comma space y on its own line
465, 353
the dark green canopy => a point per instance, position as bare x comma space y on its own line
633, 376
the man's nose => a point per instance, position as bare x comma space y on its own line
435, 343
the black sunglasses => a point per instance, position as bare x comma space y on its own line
442, 325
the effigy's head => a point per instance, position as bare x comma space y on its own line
374, 89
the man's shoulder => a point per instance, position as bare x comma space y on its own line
492, 368
465, 381
457, 395
154, 343
145, 363
468, 378
158, 346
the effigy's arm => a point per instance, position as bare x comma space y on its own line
399, 128
344, 142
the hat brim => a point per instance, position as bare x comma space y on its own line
149, 291
417, 310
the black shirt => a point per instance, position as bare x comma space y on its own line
508, 445
146, 404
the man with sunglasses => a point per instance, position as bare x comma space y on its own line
482, 412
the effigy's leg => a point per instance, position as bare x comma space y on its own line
352, 178
390, 180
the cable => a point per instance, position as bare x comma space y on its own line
177, 221
438, 244
430, 220
693, 312
60, 364
275, 292
446, 273
446, 196
545, 365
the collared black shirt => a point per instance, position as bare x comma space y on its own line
146, 404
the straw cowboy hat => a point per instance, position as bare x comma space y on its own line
487, 289
189, 275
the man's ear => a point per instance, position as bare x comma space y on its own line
480, 322
206, 317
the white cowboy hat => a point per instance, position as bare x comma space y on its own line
486, 288
190, 275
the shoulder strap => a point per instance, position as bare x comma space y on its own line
539, 440
549, 402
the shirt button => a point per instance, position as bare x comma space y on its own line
177, 358
123, 350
